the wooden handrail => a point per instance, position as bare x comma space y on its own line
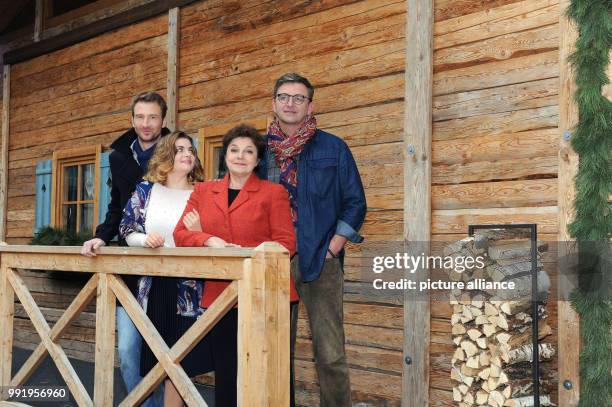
261, 287
224, 264
241, 252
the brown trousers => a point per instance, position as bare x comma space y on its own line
323, 301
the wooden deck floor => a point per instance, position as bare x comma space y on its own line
48, 375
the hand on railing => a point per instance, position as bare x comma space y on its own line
91, 245
154, 240
217, 242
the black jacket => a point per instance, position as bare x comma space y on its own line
126, 173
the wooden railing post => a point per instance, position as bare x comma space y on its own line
251, 343
7, 309
105, 343
277, 317
263, 328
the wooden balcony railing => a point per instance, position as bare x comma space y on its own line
260, 284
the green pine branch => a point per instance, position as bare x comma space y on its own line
592, 227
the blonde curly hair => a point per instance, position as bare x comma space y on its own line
162, 161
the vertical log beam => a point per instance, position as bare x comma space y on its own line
48, 10
105, 343
568, 320
417, 193
172, 83
7, 310
6, 95
39, 19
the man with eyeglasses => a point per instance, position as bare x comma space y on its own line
328, 207
128, 163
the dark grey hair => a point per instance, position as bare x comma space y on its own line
293, 77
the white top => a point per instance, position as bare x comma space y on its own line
164, 210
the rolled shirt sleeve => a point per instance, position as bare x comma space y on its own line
346, 230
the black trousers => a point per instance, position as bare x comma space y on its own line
224, 351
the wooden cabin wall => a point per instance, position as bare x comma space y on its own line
495, 135
230, 55
353, 52
74, 97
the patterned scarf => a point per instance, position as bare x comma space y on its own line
285, 149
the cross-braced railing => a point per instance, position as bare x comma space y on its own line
260, 284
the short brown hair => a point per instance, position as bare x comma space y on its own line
246, 131
150, 97
162, 161
293, 77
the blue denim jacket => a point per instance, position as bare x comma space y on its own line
330, 199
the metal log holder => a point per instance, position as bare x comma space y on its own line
533, 233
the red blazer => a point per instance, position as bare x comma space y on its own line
260, 213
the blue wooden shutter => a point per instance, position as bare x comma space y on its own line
196, 141
43, 194
104, 196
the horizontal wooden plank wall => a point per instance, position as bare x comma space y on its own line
353, 52
80, 94
495, 137
77, 96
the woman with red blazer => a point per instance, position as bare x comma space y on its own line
238, 210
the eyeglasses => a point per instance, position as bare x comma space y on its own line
297, 99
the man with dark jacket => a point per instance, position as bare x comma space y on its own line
128, 163
328, 207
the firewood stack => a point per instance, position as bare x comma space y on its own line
492, 329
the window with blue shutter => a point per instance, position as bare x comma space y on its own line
195, 142
198, 153
44, 171
104, 196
